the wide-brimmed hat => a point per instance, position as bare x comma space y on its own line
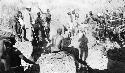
28, 7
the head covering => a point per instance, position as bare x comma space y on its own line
28, 6
38, 13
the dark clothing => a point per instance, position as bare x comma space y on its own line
15, 60
37, 28
43, 35
18, 69
75, 53
38, 23
83, 43
18, 27
83, 47
48, 18
47, 30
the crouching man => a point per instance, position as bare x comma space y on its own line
14, 57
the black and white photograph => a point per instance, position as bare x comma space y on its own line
62, 36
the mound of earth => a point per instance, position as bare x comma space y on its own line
56, 63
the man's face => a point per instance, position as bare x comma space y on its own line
29, 9
59, 31
73, 12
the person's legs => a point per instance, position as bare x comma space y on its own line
86, 55
24, 33
81, 53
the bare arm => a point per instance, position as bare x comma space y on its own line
41, 11
23, 57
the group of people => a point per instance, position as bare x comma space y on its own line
27, 28
37, 31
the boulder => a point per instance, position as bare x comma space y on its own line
56, 63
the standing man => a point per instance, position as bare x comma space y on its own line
48, 20
36, 26
47, 24
48, 17
38, 36
75, 21
83, 47
18, 24
28, 24
75, 18
70, 24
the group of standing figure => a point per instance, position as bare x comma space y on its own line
29, 29
26, 29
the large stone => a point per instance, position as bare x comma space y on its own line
26, 49
56, 63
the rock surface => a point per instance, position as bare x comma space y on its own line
56, 63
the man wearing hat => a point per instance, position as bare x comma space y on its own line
28, 23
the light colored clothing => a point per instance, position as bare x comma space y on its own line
26, 19
21, 22
28, 25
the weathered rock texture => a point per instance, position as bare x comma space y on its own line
56, 63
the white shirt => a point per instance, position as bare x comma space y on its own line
21, 22
26, 19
